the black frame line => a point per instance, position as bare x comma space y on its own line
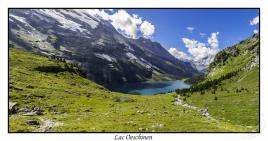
148, 8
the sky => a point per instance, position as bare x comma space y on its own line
193, 35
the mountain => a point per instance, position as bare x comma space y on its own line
104, 55
230, 90
241, 57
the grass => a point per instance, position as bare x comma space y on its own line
83, 106
236, 101
234, 63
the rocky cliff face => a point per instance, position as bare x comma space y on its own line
243, 57
93, 44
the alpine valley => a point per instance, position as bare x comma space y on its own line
91, 42
61, 60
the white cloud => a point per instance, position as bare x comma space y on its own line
255, 31
147, 29
179, 54
202, 55
199, 54
197, 49
254, 21
190, 29
126, 24
202, 34
213, 40
135, 15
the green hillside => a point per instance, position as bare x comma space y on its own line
51, 97
230, 90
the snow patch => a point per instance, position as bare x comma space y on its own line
64, 49
65, 23
131, 56
80, 15
100, 42
105, 57
21, 19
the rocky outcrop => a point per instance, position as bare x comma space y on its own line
12, 109
203, 112
246, 52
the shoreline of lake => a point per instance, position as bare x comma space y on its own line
148, 88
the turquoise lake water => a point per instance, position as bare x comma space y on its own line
148, 88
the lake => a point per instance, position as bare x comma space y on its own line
148, 88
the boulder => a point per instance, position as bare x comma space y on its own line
125, 99
32, 122
12, 107
24, 110
33, 113
142, 129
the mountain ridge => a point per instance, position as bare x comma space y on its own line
93, 44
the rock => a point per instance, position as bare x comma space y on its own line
32, 113
141, 112
47, 124
125, 99
131, 123
235, 52
12, 107
38, 111
18, 89
30, 86
24, 110
32, 122
158, 125
142, 129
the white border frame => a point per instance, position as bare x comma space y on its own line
4, 4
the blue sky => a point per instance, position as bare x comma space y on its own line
192, 35
233, 25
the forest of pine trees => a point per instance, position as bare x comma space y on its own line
208, 84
